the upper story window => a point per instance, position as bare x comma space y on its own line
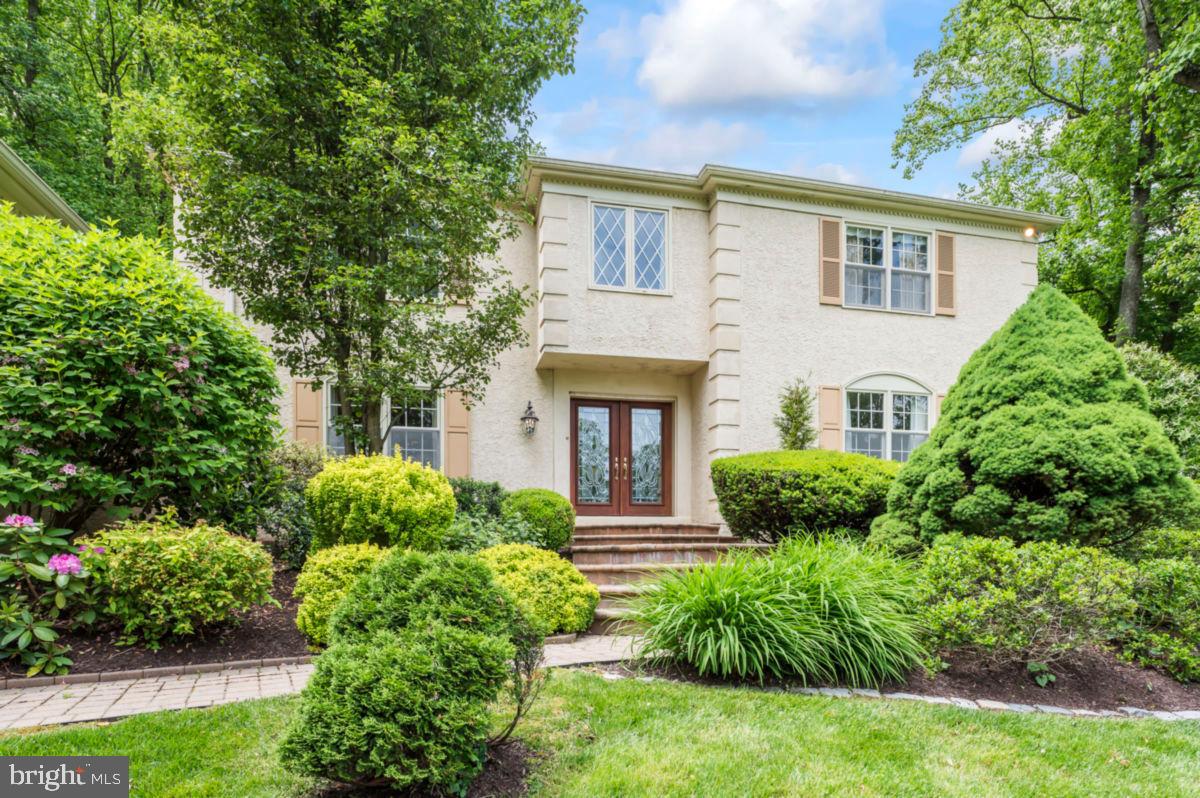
887, 417
887, 268
629, 248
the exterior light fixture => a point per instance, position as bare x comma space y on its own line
1030, 232
529, 419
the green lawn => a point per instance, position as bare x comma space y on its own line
631, 738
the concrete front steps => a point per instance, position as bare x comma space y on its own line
616, 558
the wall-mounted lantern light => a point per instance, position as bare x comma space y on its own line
530, 419
1030, 232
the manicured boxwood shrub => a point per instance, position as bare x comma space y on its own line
410, 587
814, 609
1044, 436
552, 593
770, 495
478, 498
122, 384
388, 501
1010, 604
473, 533
1165, 633
162, 580
407, 708
326, 578
550, 514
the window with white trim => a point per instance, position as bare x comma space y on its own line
886, 417
887, 268
629, 248
415, 434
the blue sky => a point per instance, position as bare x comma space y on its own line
808, 87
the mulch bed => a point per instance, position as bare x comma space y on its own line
1087, 680
503, 776
263, 632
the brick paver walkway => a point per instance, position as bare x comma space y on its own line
71, 703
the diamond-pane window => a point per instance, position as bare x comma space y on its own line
609, 245
649, 244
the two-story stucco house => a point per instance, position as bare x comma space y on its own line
671, 309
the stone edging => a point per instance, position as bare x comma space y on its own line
964, 703
144, 673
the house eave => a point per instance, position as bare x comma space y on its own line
713, 178
30, 194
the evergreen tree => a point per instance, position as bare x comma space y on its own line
1045, 436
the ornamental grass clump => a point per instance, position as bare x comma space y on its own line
820, 610
1044, 437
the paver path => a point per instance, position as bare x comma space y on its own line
70, 703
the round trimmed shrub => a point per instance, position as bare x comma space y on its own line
388, 501
816, 609
326, 578
408, 708
770, 495
552, 593
122, 383
411, 588
550, 514
478, 498
162, 580
1044, 436
1012, 604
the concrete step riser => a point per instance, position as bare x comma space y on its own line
622, 540
654, 556
690, 529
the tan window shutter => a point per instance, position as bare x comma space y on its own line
945, 275
829, 410
831, 261
306, 412
458, 436
937, 407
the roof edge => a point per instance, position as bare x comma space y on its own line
12, 165
712, 177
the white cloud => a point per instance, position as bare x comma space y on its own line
758, 53
670, 146
988, 143
834, 172
619, 43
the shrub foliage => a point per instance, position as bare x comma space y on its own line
162, 580
770, 495
1165, 633
122, 384
814, 609
1174, 392
1012, 604
795, 419
1044, 437
326, 578
478, 498
552, 593
550, 514
388, 501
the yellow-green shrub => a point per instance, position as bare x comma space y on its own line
378, 499
326, 578
548, 589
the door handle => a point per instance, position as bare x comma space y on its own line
625, 467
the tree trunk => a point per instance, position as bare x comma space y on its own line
372, 419
33, 10
1135, 256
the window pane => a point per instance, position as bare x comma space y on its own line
649, 249
865, 443
422, 445
910, 291
910, 251
592, 484
910, 412
646, 455
864, 286
608, 236
866, 409
419, 412
903, 444
864, 245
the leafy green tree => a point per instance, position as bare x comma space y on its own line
123, 386
1043, 437
65, 66
1101, 99
795, 419
1174, 391
350, 170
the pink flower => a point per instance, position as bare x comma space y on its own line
69, 469
27, 450
57, 485
94, 549
182, 364
65, 564
131, 369
19, 521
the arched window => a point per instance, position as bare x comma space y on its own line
887, 416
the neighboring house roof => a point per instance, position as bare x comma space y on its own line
20, 185
711, 179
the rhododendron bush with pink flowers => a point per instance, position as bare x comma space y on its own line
123, 386
45, 589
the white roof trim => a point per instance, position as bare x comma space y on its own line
21, 185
